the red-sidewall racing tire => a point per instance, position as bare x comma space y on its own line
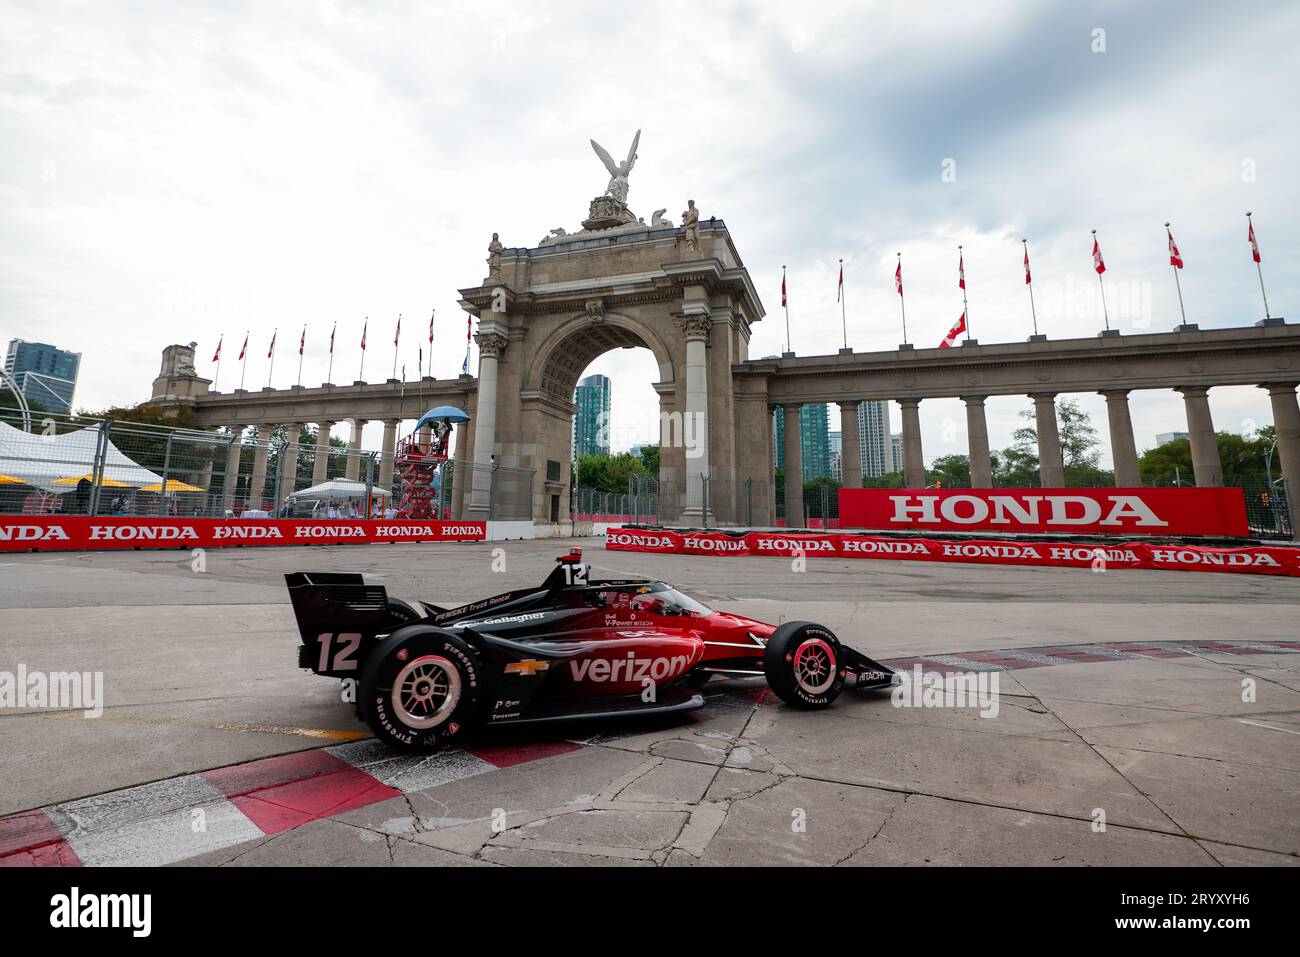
418, 691
804, 664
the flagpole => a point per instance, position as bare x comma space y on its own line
1179, 286
901, 304
329, 374
1104, 312
965, 309
216, 378
785, 302
396, 339
244, 364
271, 371
302, 345
1257, 268
1032, 311
362, 374
844, 322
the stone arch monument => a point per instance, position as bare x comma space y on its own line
545, 312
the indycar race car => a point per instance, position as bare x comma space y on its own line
569, 648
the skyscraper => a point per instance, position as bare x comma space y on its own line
591, 422
43, 373
814, 441
873, 437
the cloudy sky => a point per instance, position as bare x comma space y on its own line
179, 171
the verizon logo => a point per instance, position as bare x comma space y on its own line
1014, 509
630, 668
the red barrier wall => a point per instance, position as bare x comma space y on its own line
1257, 560
76, 532
1215, 512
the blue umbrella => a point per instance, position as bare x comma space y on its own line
448, 412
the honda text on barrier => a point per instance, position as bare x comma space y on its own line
569, 648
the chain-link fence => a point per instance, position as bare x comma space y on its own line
79, 465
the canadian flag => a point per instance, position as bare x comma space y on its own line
1254, 246
839, 289
1028, 278
958, 328
363, 335
1097, 262
244, 348
783, 301
398, 334
961, 271
431, 315
302, 341
1175, 257
216, 356
271, 351
898, 278
332, 331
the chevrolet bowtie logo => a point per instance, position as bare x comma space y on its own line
529, 666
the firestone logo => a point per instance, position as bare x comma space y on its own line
1033, 510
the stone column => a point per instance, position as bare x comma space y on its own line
1123, 451
1286, 420
386, 457
257, 483
850, 445
320, 467
289, 462
793, 413
1200, 432
353, 470
1051, 465
232, 469
695, 424
491, 345
977, 441
913, 461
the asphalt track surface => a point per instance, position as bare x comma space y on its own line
1164, 705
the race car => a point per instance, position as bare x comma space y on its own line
570, 648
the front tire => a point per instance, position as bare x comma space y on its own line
804, 665
420, 691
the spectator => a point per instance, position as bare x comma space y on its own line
333, 511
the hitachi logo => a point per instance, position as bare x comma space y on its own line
1120, 510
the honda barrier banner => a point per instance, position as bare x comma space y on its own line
1258, 560
1215, 512
41, 533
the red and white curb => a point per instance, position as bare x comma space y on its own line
179, 818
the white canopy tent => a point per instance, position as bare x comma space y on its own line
338, 490
42, 460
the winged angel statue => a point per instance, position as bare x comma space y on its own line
618, 172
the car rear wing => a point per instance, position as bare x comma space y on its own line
336, 602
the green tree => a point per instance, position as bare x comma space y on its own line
1080, 451
949, 471
650, 459
608, 473
888, 480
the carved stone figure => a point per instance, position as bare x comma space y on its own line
494, 257
691, 221
658, 218
618, 172
185, 360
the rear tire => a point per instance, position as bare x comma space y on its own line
804, 664
420, 691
